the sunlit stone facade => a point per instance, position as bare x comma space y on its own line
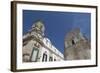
37, 47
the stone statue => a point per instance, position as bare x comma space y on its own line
38, 26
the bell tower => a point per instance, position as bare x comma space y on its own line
76, 46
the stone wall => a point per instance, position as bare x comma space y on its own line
77, 47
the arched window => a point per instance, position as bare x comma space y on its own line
50, 58
54, 59
44, 59
73, 42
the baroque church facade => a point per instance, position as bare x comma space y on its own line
37, 47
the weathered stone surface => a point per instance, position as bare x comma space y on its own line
77, 47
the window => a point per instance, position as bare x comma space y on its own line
50, 58
44, 59
73, 43
34, 55
54, 59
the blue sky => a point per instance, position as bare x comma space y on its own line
58, 24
